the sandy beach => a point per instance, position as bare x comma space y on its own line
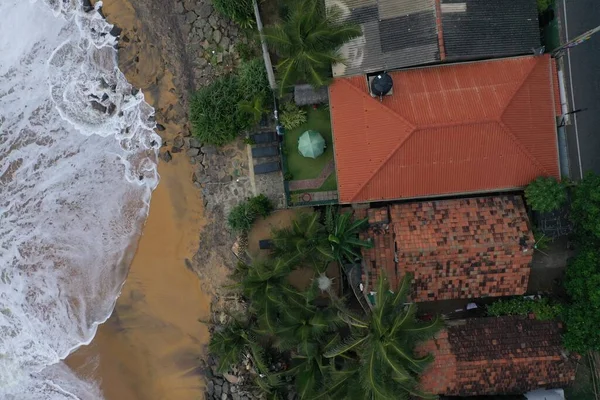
151, 345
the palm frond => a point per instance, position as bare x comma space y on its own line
350, 344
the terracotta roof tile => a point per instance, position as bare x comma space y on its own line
462, 248
451, 129
504, 355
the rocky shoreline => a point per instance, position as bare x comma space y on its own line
168, 51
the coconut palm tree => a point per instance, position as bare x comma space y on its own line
305, 238
343, 235
266, 284
381, 363
308, 42
229, 342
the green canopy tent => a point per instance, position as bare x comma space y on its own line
311, 144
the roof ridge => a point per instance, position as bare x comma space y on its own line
500, 119
393, 152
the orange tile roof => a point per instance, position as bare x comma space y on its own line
455, 249
504, 355
461, 128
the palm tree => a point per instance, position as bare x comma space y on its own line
306, 238
229, 342
384, 343
266, 284
343, 235
308, 42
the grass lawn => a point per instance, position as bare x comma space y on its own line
307, 168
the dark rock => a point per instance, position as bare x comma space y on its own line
111, 108
225, 387
190, 17
193, 152
195, 143
154, 143
160, 127
98, 107
204, 11
175, 149
87, 6
210, 388
134, 91
209, 149
125, 38
104, 97
189, 4
224, 396
101, 13
218, 389
116, 31
178, 141
166, 156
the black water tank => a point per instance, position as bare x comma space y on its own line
381, 84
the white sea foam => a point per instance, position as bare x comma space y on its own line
75, 185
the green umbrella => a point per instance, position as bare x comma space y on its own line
311, 144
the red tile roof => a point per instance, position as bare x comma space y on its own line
461, 128
463, 248
504, 355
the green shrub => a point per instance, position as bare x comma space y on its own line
239, 11
546, 194
582, 317
542, 308
255, 109
253, 81
585, 207
542, 5
292, 116
246, 51
214, 112
242, 216
261, 205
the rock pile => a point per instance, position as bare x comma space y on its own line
211, 39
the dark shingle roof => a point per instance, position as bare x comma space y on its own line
403, 33
491, 28
464, 248
503, 355
305, 95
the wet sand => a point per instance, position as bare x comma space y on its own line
149, 349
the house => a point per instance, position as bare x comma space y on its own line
404, 33
455, 249
497, 355
455, 129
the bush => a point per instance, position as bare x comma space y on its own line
292, 116
242, 216
582, 317
542, 5
542, 308
214, 112
246, 51
585, 207
261, 205
253, 81
239, 11
546, 194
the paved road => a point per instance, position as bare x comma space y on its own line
582, 65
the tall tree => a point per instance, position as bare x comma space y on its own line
305, 238
343, 235
308, 42
381, 362
266, 284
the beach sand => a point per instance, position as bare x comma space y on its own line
150, 347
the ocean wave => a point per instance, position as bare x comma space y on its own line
78, 162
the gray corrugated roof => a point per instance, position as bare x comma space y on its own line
404, 33
490, 28
396, 33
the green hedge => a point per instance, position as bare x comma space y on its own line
542, 308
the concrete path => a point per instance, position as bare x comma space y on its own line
316, 183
